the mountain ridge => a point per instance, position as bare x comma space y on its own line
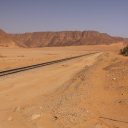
62, 38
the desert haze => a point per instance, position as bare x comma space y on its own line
85, 92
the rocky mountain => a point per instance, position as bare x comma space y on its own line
6, 40
65, 38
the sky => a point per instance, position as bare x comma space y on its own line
109, 16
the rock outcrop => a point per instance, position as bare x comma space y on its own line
6, 40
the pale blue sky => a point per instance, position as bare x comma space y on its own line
110, 16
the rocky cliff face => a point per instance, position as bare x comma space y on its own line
6, 40
66, 38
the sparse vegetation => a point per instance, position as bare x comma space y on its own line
124, 51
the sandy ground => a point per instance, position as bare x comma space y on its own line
87, 92
19, 57
15, 57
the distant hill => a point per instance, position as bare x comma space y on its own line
65, 38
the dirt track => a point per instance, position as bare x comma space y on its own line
89, 92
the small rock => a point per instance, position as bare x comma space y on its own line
114, 78
55, 117
10, 118
41, 107
18, 109
35, 116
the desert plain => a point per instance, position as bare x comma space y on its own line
86, 92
